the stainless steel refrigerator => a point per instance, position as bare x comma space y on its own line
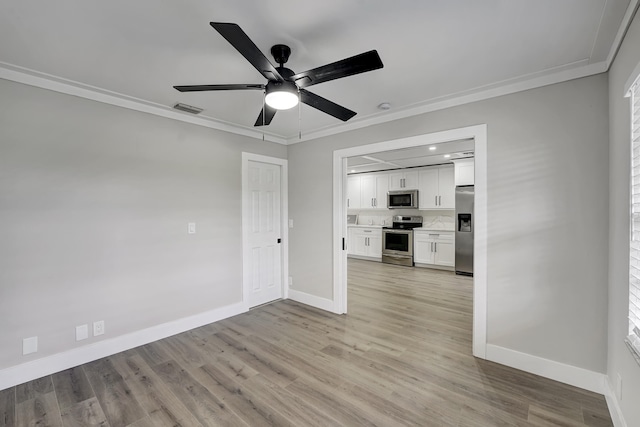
464, 230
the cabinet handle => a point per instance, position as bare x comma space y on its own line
375, 202
440, 200
436, 200
367, 241
431, 246
436, 247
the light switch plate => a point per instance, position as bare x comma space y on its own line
191, 228
290, 223
82, 332
29, 345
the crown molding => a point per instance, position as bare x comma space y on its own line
622, 31
506, 87
69, 87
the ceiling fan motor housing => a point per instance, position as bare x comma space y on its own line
281, 53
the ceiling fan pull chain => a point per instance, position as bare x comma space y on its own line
264, 94
299, 116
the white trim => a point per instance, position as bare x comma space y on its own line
622, 31
479, 134
519, 84
32, 370
70, 87
633, 77
467, 97
561, 372
284, 226
614, 406
312, 300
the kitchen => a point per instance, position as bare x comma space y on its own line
413, 207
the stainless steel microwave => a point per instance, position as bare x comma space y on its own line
402, 199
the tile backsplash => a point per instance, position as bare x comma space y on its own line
431, 219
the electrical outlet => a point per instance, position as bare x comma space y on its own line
191, 228
290, 223
98, 328
82, 332
290, 281
619, 387
29, 345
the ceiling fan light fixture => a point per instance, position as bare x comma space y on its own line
281, 95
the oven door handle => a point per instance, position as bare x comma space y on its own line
398, 231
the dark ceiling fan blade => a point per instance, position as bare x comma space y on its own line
269, 113
362, 63
199, 88
326, 106
243, 44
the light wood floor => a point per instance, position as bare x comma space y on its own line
402, 356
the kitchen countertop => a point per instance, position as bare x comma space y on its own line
366, 226
451, 230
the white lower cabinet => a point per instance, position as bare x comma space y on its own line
365, 242
434, 248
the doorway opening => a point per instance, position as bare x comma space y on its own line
478, 134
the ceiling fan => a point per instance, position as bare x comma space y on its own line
284, 87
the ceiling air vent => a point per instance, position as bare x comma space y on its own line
188, 108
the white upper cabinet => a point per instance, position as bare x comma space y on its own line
370, 190
464, 171
403, 180
436, 188
353, 192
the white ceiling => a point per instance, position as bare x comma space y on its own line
412, 157
434, 52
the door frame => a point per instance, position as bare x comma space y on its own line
284, 222
479, 134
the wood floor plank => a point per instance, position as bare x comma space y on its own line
207, 408
153, 353
253, 411
84, 414
152, 393
268, 366
42, 411
71, 386
118, 403
32, 389
8, 407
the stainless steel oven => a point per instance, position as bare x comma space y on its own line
397, 241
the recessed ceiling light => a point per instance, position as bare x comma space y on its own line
384, 106
446, 156
353, 171
432, 148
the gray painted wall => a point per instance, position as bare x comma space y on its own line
620, 360
94, 206
547, 214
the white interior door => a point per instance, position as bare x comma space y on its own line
264, 236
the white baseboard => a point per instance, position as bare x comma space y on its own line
572, 375
312, 300
48, 365
614, 405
